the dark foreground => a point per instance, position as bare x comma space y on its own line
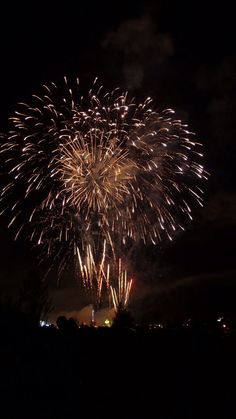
109, 373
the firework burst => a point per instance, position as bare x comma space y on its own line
100, 165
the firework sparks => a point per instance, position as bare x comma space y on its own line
104, 166
121, 293
93, 272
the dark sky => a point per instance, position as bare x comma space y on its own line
183, 55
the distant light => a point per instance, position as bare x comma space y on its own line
43, 323
224, 325
155, 326
220, 319
107, 323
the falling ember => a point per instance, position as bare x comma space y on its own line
121, 292
93, 273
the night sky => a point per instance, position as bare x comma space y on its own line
183, 55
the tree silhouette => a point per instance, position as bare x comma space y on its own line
34, 300
123, 318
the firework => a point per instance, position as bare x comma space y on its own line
100, 168
121, 292
96, 268
94, 271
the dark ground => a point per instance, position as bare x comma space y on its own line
117, 373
